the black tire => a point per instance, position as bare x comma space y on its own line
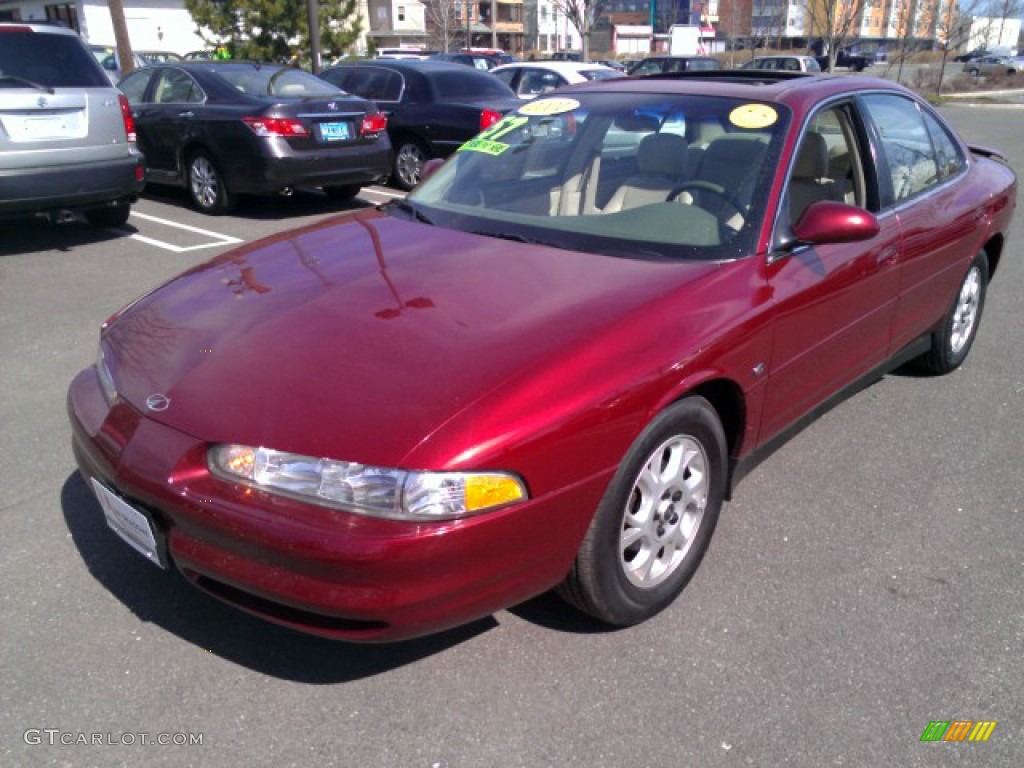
410, 155
953, 339
111, 216
606, 580
206, 185
342, 193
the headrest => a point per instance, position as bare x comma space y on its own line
663, 153
812, 158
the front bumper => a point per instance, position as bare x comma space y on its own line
319, 570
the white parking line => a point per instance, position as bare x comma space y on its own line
382, 193
220, 239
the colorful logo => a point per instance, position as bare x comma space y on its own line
958, 730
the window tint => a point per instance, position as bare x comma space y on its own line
947, 152
506, 76
176, 87
274, 81
600, 74
134, 86
57, 61
534, 82
374, 83
456, 85
905, 143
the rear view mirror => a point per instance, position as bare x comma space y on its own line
830, 222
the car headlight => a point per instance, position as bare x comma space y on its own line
105, 376
379, 491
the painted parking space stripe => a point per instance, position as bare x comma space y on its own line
218, 238
382, 193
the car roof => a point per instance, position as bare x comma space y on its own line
795, 89
35, 26
554, 66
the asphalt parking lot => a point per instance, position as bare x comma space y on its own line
865, 581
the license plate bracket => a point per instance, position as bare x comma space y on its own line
335, 131
133, 525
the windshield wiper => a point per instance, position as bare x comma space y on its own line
29, 83
406, 207
515, 238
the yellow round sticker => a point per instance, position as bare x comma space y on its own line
549, 107
753, 116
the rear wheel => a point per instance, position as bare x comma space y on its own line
953, 340
111, 216
206, 186
655, 521
410, 155
342, 193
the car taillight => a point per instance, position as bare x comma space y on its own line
286, 127
129, 121
373, 124
488, 118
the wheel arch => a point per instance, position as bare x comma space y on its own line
993, 250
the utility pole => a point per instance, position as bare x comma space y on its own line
494, 24
313, 8
124, 45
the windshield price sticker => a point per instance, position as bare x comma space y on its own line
485, 146
549, 107
753, 116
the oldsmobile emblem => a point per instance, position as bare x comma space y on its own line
158, 402
42, 102
331, 105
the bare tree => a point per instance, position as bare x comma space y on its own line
444, 22
952, 29
581, 14
767, 22
835, 22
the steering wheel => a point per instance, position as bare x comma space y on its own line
707, 186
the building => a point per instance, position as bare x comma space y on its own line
158, 25
394, 24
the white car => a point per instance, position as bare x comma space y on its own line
530, 79
785, 63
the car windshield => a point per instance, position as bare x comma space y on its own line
646, 176
53, 61
276, 82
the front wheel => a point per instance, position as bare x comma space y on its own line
409, 159
953, 340
655, 521
206, 186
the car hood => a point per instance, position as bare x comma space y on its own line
359, 336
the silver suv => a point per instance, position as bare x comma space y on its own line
67, 139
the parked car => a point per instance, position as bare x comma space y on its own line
847, 60
110, 60
995, 65
475, 60
550, 364
67, 138
657, 65
534, 78
160, 57
978, 53
567, 56
613, 63
433, 107
785, 63
222, 129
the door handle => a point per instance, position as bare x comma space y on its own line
187, 113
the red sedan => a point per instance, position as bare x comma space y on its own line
549, 366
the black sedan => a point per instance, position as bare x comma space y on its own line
221, 129
433, 107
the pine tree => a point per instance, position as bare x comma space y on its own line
274, 30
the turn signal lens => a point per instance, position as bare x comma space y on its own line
373, 124
126, 116
268, 127
488, 118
